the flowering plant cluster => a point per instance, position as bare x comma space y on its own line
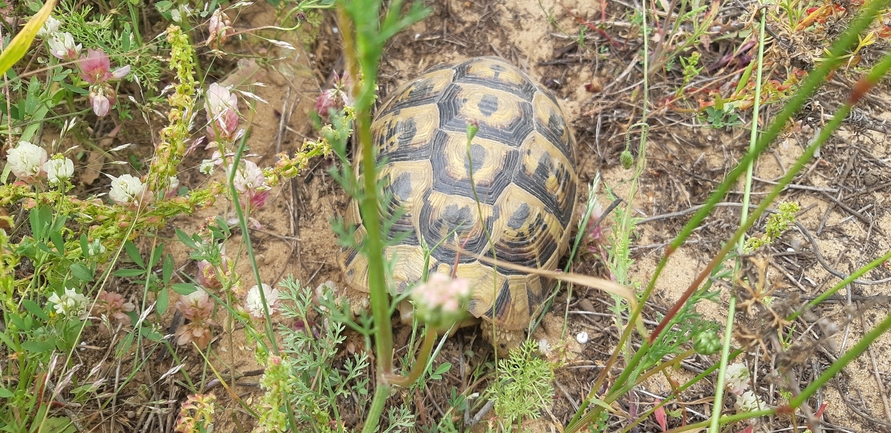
95, 66
441, 301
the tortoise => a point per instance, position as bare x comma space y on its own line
523, 203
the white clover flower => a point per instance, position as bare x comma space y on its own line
26, 161
126, 190
737, 377
95, 248
71, 304
63, 47
255, 305
58, 169
749, 402
207, 166
250, 178
50, 27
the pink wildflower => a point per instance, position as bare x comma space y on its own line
336, 98
595, 235
441, 300
102, 97
196, 307
113, 306
250, 182
222, 112
220, 28
209, 277
95, 68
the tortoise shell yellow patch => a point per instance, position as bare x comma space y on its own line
521, 163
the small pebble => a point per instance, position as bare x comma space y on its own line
582, 337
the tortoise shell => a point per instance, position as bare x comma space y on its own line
523, 169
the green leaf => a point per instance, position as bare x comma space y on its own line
133, 252
40, 219
74, 89
38, 346
125, 37
184, 288
84, 246
5, 393
129, 272
442, 369
35, 309
57, 425
81, 272
186, 240
163, 302
20, 322
56, 237
167, 269
8, 342
150, 334
156, 256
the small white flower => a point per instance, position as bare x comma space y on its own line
26, 161
71, 304
62, 46
255, 305
749, 402
207, 166
126, 190
250, 178
50, 26
95, 248
58, 169
582, 337
737, 377
544, 347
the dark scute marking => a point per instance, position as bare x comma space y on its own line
453, 221
530, 249
421, 90
404, 131
487, 105
532, 297
451, 183
535, 185
477, 156
407, 129
394, 194
497, 69
453, 118
526, 90
348, 260
455, 217
502, 301
518, 219
402, 186
553, 133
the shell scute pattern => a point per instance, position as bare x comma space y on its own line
522, 162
